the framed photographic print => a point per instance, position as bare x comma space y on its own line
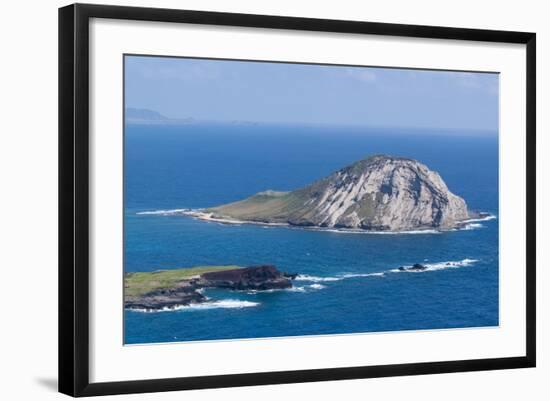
249, 199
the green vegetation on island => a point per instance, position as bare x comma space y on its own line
139, 283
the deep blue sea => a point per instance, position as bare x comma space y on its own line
200, 165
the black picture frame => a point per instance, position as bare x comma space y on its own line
74, 198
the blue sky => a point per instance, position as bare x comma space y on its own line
312, 94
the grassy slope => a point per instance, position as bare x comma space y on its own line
139, 283
261, 207
269, 206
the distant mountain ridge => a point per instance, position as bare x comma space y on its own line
381, 192
147, 116
134, 114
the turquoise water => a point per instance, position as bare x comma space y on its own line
347, 285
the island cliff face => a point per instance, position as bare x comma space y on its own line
258, 278
381, 193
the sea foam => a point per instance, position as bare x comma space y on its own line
315, 279
317, 286
472, 226
365, 232
223, 303
343, 276
437, 266
169, 212
485, 218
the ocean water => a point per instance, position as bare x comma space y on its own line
348, 282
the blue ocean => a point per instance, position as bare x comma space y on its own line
348, 282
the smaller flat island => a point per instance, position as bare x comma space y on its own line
165, 289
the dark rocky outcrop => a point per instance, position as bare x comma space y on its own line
415, 267
166, 298
265, 277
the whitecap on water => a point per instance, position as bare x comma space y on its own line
484, 218
296, 289
437, 266
317, 286
223, 303
473, 226
169, 212
353, 275
315, 279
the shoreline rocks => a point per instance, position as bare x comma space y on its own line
415, 267
165, 298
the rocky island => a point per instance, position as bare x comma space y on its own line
379, 193
164, 289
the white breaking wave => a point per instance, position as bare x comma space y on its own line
305, 288
291, 289
437, 266
365, 232
486, 218
472, 226
169, 212
296, 289
317, 286
353, 275
315, 279
223, 303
